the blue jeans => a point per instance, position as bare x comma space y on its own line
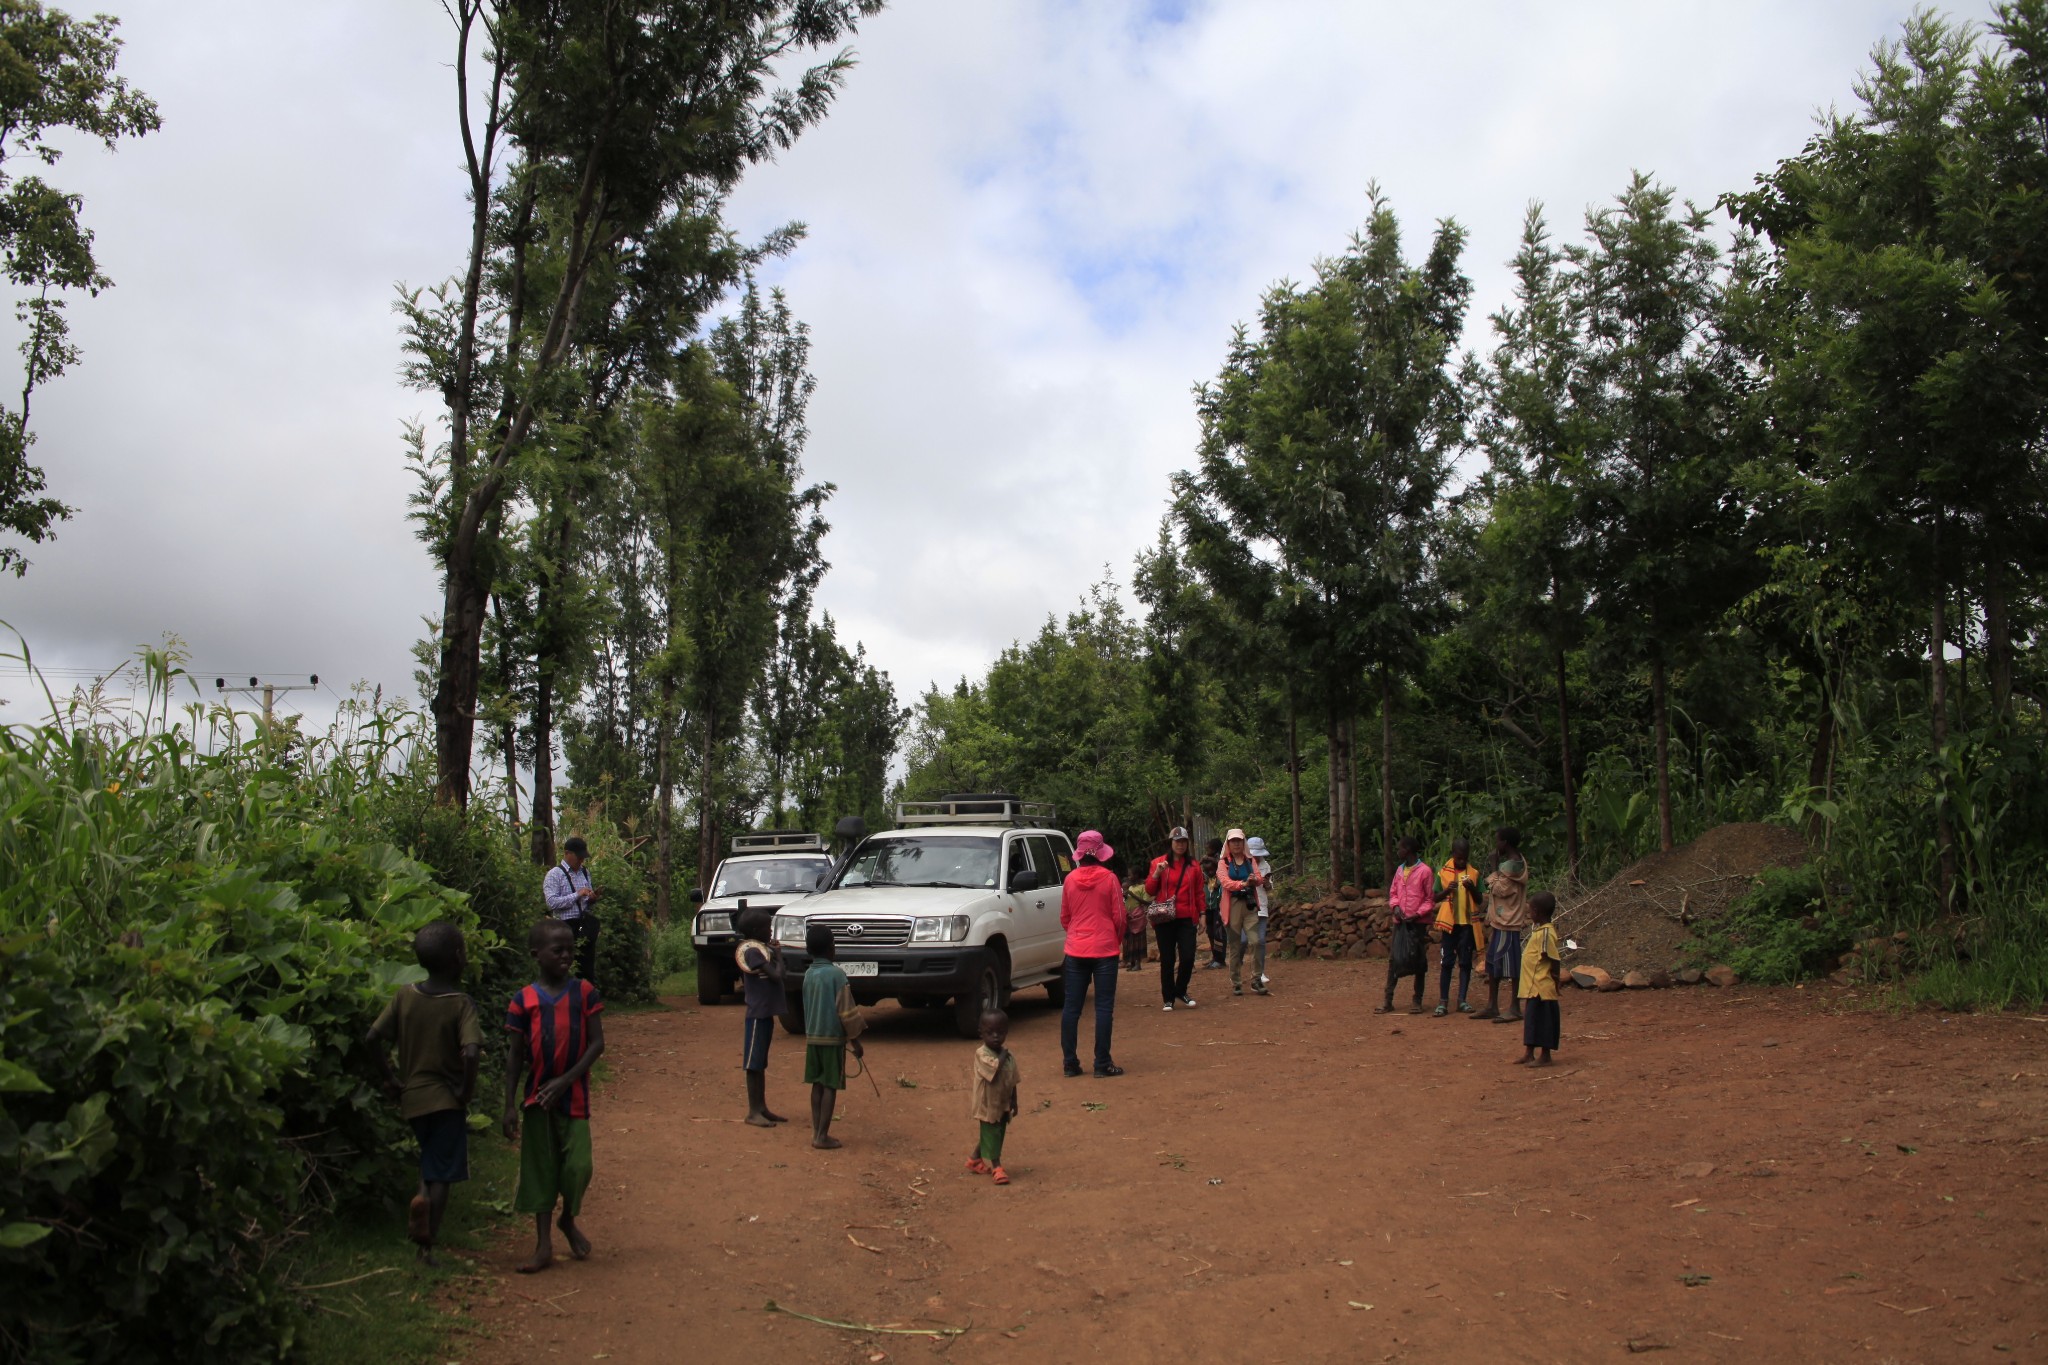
1075, 973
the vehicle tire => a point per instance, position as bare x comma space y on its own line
992, 987
710, 983
1056, 991
793, 1023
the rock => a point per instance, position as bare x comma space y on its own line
1660, 979
1636, 981
1842, 978
1722, 976
1770, 1042
1591, 978
1349, 893
1355, 949
1691, 976
1695, 1170
1611, 984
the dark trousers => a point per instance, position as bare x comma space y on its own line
1176, 958
1076, 972
584, 927
1542, 1022
1219, 938
1457, 948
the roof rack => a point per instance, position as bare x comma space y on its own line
778, 841
994, 809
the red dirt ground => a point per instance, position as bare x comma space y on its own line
1742, 1175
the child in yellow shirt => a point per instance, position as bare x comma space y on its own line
1542, 969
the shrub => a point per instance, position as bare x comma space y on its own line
1778, 931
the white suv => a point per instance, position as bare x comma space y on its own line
960, 903
765, 871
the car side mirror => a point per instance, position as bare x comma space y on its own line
696, 895
851, 829
1026, 880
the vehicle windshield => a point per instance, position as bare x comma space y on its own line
768, 877
925, 860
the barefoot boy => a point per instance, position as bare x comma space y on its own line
832, 1024
1507, 919
439, 1041
557, 1034
761, 980
995, 1094
1542, 969
1410, 901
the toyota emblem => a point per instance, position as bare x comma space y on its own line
854, 931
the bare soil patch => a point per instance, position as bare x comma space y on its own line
1735, 1175
1642, 917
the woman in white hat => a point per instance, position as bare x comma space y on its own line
1239, 874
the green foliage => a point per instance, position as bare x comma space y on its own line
672, 950
1777, 932
56, 76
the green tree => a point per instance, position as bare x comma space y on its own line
595, 154
56, 76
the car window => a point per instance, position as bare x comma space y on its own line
1061, 853
1019, 860
1049, 871
767, 876
923, 860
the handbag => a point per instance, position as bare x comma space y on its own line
1168, 910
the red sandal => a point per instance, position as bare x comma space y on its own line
976, 1166
1001, 1176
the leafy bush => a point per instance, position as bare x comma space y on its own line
673, 951
1778, 931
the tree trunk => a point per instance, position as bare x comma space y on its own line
664, 805
459, 673
1661, 722
1564, 759
542, 833
1386, 778
511, 776
1997, 636
1294, 785
1820, 773
1353, 819
707, 824
1336, 844
1944, 836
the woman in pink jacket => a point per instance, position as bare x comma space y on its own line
1092, 913
1412, 900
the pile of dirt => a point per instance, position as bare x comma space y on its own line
1643, 917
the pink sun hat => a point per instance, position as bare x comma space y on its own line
1091, 845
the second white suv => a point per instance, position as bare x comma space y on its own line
960, 903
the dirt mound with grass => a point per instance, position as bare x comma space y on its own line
1643, 917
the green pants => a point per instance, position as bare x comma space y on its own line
992, 1135
554, 1162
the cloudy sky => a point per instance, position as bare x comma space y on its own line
1032, 227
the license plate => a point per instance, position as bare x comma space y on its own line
859, 968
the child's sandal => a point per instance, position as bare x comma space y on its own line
1001, 1176
977, 1166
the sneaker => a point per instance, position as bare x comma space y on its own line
1237, 990
1259, 989
1186, 1003
1168, 1008
1265, 980
1111, 1070
1073, 1068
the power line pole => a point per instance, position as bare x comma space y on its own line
269, 690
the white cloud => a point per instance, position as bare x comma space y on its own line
1032, 228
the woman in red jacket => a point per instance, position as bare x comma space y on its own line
1176, 879
1092, 913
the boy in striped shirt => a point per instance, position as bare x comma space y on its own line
557, 1035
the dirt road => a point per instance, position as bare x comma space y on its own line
1737, 1175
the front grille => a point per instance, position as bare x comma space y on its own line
865, 931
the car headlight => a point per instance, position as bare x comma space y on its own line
938, 929
716, 922
789, 929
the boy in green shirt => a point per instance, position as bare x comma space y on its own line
439, 1041
832, 1023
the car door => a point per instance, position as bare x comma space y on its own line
1048, 938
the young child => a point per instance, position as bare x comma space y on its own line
1507, 919
1257, 847
1212, 914
995, 1094
1135, 901
557, 1034
1542, 969
1458, 880
832, 1024
761, 980
439, 1041
1410, 901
